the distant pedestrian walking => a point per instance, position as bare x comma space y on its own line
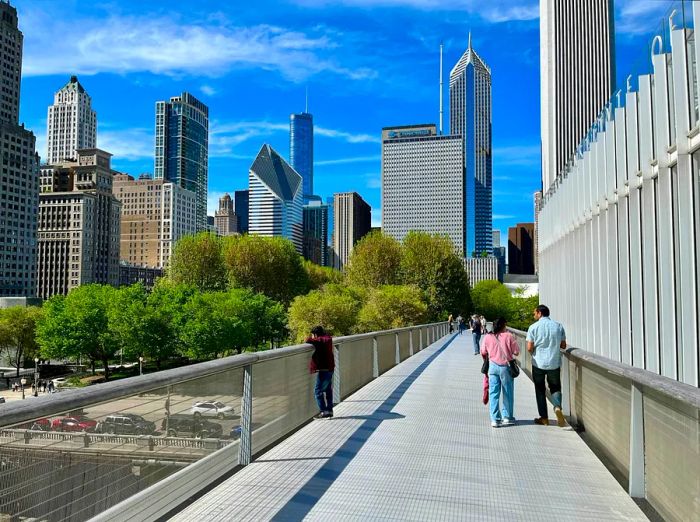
500, 347
475, 325
545, 340
450, 321
460, 323
483, 325
323, 364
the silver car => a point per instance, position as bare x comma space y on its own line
212, 409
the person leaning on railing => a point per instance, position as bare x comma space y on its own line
545, 340
323, 364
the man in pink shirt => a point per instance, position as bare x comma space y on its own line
500, 347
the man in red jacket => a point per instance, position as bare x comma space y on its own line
322, 363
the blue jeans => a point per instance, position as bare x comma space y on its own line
324, 391
477, 337
500, 381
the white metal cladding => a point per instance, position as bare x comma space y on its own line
619, 254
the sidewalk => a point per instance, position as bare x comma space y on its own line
416, 444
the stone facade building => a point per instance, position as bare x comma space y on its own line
225, 218
72, 124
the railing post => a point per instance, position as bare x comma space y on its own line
245, 449
420, 339
637, 487
336, 374
410, 343
375, 358
397, 349
565, 387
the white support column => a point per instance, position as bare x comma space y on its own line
246, 443
410, 343
375, 359
397, 349
637, 483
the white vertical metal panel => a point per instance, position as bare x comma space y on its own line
664, 221
613, 284
605, 244
632, 142
624, 291
597, 314
637, 282
649, 270
590, 288
644, 115
610, 162
620, 151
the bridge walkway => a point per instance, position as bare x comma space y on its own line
416, 444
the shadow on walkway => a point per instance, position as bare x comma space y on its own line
310, 493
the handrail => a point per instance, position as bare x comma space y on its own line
643, 378
48, 405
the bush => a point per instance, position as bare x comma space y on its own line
334, 308
392, 307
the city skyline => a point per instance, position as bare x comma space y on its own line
353, 94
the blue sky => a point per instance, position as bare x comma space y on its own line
367, 64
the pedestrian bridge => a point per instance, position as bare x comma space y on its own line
410, 440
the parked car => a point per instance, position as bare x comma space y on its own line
191, 427
41, 425
212, 409
76, 423
235, 432
2, 400
126, 424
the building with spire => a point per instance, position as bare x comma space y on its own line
72, 124
275, 198
225, 218
470, 117
301, 148
19, 190
182, 147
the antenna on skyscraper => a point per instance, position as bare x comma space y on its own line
441, 88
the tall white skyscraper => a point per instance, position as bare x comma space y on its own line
577, 75
423, 183
470, 117
72, 124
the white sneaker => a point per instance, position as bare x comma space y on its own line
509, 422
495, 424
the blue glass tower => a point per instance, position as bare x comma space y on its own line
301, 149
182, 147
240, 205
470, 116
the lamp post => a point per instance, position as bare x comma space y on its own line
23, 381
140, 365
36, 376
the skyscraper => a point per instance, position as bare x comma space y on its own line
316, 232
423, 183
241, 198
19, 163
521, 249
470, 117
577, 75
72, 124
182, 147
225, 218
155, 214
352, 220
276, 199
79, 224
301, 149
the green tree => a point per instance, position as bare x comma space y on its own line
392, 307
335, 308
197, 261
265, 319
430, 263
18, 333
521, 310
375, 261
492, 299
321, 275
267, 265
78, 325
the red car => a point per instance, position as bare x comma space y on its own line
73, 424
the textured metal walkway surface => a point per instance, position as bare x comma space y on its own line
416, 444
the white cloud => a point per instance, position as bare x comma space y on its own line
209, 90
341, 161
127, 144
166, 45
634, 17
502, 216
373, 181
347, 136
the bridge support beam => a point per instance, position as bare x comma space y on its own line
637, 483
245, 448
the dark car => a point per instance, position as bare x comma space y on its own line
235, 432
126, 424
74, 423
188, 426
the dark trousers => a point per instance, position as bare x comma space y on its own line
554, 383
324, 390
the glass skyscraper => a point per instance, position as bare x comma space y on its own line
470, 116
301, 149
182, 147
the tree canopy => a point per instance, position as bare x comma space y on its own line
18, 333
390, 307
197, 260
375, 261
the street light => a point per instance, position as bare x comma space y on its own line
36, 376
140, 365
23, 381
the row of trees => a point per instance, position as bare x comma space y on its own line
493, 299
387, 284
17, 334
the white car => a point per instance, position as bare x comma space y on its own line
211, 409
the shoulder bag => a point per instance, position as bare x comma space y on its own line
512, 365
